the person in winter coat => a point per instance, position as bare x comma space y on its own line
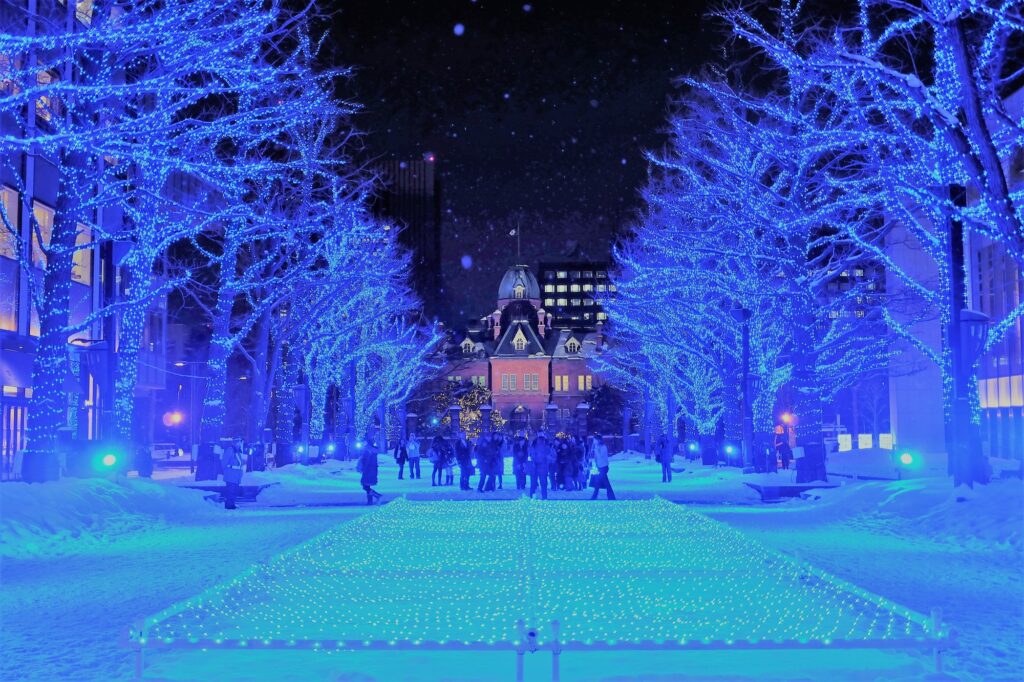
785, 453
232, 465
665, 456
464, 457
368, 471
486, 456
600, 453
449, 464
412, 449
401, 457
542, 454
436, 456
520, 460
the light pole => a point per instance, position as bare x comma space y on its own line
742, 315
192, 415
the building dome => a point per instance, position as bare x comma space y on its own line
518, 282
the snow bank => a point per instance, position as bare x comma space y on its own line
76, 514
927, 507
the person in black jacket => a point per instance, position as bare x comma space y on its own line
520, 460
464, 457
401, 457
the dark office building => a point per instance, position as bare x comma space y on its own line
573, 292
411, 199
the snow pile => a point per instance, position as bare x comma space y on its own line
927, 507
78, 514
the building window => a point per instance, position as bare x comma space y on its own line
81, 268
563, 301
587, 316
549, 288
575, 274
588, 287
549, 302
511, 382
601, 287
520, 343
504, 382
588, 274
519, 291
601, 274
602, 316
44, 217
584, 382
588, 301
8, 245
611, 287
562, 382
573, 346
531, 382
575, 288
575, 301
562, 288
562, 274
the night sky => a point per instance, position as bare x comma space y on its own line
538, 114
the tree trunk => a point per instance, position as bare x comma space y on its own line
221, 345
50, 369
259, 372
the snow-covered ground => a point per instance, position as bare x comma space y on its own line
83, 559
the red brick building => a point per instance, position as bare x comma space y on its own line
538, 375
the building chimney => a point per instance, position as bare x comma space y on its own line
496, 317
541, 319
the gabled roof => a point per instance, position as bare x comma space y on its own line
586, 339
533, 342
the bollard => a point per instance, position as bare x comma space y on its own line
556, 651
936, 630
520, 649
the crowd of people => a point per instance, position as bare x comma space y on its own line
562, 462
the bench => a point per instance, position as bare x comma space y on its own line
246, 493
774, 493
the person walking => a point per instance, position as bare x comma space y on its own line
413, 450
665, 456
401, 457
600, 452
485, 457
436, 456
541, 456
232, 465
368, 471
464, 457
449, 464
784, 451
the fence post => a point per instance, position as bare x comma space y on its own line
556, 651
520, 649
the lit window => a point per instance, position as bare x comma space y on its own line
575, 301
519, 343
563, 301
549, 301
81, 269
589, 382
575, 288
10, 204
601, 287
602, 316
562, 288
588, 287
562, 274
858, 272
44, 218
588, 301
549, 288
611, 287
572, 346
519, 291
601, 274
580, 381
587, 274
511, 382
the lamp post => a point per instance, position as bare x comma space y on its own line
966, 460
742, 315
192, 413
